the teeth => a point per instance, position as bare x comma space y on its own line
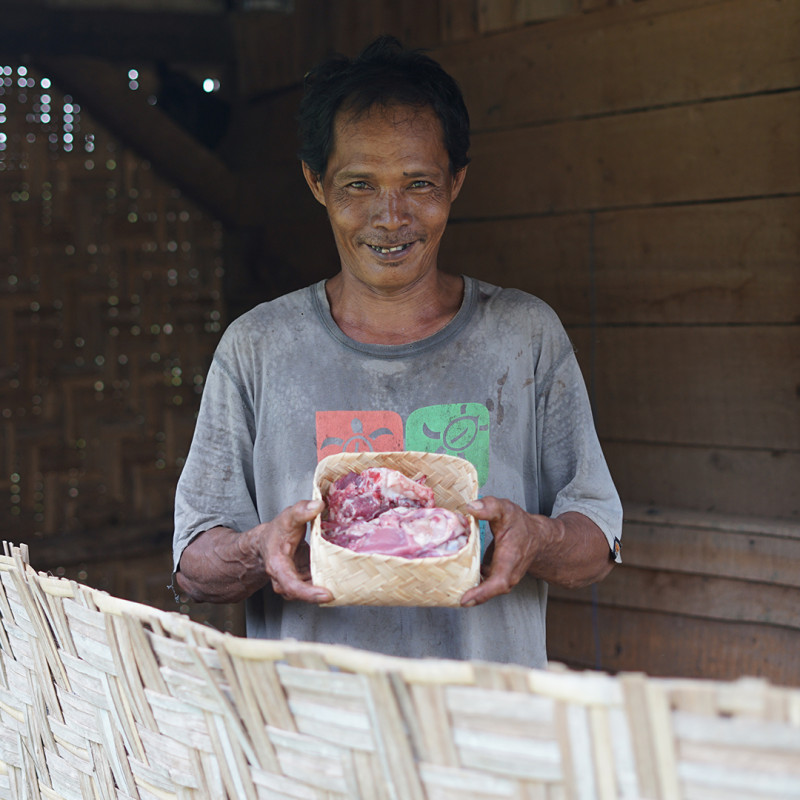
386, 250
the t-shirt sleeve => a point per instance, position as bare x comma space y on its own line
216, 486
574, 475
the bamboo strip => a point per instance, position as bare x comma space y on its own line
394, 749
245, 701
635, 689
124, 668
436, 740
602, 752
663, 744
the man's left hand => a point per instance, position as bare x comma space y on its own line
570, 549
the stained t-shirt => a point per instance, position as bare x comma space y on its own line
499, 385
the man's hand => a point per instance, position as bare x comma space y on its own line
569, 550
222, 566
283, 551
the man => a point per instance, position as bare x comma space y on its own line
392, 353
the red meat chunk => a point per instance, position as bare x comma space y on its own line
382, 511
369, 493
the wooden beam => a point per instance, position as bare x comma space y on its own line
744, 481
29, 31
670, 645
102, 89
685, 594
714, 263
635, 55
728, 149
733, 387
753, 549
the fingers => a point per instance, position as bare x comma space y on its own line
302, 560
512, 548
498, 512
501, 577
288, 582
482, 592
284, 543
294, 518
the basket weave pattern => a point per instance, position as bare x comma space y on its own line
379, 580
102, 698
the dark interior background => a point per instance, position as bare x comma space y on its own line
635, 164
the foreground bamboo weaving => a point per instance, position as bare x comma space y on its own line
107, 699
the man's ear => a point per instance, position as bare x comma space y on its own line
458, 182
314, 181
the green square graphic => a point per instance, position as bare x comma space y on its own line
458, 429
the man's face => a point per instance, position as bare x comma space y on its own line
388, 189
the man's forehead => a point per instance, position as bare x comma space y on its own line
422, 118
362, 139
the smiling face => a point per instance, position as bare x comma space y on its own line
388, 189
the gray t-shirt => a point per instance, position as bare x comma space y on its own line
499, 385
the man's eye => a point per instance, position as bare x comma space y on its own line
358, 185
420, 184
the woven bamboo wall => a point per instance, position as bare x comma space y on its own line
110, 308
103, 698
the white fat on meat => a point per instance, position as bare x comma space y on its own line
383, 511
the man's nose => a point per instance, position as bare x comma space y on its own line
390, 211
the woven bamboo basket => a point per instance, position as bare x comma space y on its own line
380, 580
106, 699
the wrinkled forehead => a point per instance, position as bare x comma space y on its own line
422, 120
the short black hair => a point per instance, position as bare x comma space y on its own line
384, 73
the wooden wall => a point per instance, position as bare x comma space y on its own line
637, 166
640, 169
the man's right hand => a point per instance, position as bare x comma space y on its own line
222, 566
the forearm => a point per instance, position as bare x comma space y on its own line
574, 551
221, 566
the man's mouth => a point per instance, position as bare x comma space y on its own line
385, 251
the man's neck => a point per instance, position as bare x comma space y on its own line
415, 313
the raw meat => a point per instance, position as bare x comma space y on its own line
383, 511
408, 532
369, 493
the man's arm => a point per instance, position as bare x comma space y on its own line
222, 566
569, 550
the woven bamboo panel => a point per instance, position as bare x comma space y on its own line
106, 698
110, 308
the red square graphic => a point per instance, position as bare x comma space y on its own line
358, 432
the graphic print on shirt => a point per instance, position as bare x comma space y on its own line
358, 432
457, 429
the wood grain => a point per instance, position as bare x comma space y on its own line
723, 263
691, 595
758, 482
666, 644
720, 150
752, 549
719, 385
633, 56
547, 256
730, 262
